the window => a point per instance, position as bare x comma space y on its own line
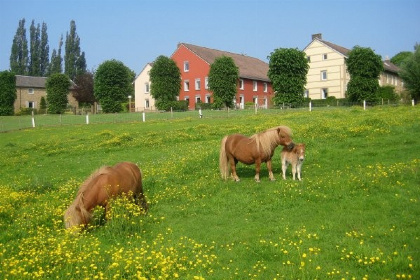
324, 93
324, 56
241, 84
146, 88
306, 93
308, 58
197, 84
206, 82
208, 98
197, 99
186, 66
146, 104
255, 86
265, 87
31, 104
186, 85
30, 91
324, 75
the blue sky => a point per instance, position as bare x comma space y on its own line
137, 31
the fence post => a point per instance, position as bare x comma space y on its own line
172, 113
364, 104
33, 119
310, 106
256, 108
144, 116
87, 118
412, 102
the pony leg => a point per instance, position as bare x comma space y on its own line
257, 171
299, 170
270, 171
233, 162
294, 171
284, 168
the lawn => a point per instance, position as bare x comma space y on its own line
353, 216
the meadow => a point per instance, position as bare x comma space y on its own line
354, 215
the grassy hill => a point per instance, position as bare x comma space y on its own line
353, 216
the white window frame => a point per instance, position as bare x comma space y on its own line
146, 87
255, 86
146, 103
265, 87
324, 93
31, 91
241, 84
186, 85
197, 84
206, 82
208, 98
325, 56
324, 75
186, 66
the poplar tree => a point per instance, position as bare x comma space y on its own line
55, 66
74, 60
19, 53
35, 42
44, 51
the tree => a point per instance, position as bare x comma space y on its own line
74, 61
84, 89
44, 51
35, 51
19, 53
364, 67
287, 71
7, 93
400, 57
410, 73
223, 80
165, 82
112, 85
57, 86
55, 66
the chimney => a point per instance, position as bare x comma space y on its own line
317, 36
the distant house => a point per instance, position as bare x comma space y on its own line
143, 99
328, 76
194, 63
29, 91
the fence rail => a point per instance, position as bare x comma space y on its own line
10, 123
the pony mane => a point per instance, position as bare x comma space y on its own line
88, 182
268, 139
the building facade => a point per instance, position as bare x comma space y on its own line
194, 63
143, 100
328, 76
30, 90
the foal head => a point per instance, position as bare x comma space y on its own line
299, 150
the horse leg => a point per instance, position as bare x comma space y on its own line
257, 170
233, 163
294, 171
299, 170
284, 168
270, 170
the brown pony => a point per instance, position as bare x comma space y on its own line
103, 184
255, 149
295, 157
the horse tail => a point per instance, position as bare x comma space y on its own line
223, 160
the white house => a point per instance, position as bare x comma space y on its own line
143, 100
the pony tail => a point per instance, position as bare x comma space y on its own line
223, 161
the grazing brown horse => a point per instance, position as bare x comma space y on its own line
103, 184
295, 157
255, 149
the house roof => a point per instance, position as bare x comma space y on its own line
344, 51
30, 82
391, 67
35, 82
249, 67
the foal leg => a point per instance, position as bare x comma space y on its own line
284, 168
294, 171
270, 170
299, 170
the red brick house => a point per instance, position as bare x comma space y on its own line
194, 63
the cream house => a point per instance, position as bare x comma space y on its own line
30, 90
143, 99
328, 76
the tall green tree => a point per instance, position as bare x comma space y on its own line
7, 93
84, 89
410, 73
19, 53
223, 81
34, 68
364, 67
74, 60
165, 82
56, 65
44, 51
112, 85
57, 87
400, 57
287, 71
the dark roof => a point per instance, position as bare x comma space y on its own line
249, 67
391, 67
35, 82
30, 82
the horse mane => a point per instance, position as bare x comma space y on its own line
88, 182
268, 139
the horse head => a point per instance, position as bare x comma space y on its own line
285, 137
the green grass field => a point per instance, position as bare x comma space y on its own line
355, 214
